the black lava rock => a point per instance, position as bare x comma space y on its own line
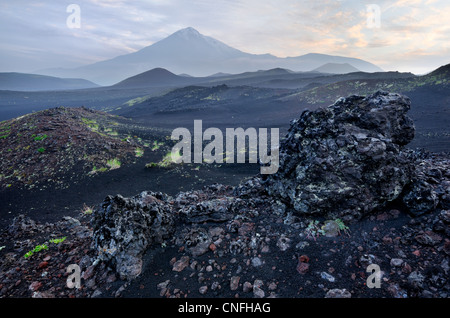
123, 228
347, 159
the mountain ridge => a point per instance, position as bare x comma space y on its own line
336, 68
15, 81
188, 51
155, 77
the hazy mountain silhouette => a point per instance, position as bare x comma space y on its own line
157, 77
33, 82
188, 51
160, 77
336, 68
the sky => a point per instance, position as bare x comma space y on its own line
398, 35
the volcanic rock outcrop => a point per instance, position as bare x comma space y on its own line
123, 229
346, 160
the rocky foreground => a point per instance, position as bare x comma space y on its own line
348, 195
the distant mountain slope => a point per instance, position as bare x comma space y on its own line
157, 77
281, 78
34, 82
187, 51
198, 98
336, 68
239, 89
441, 72
364, 86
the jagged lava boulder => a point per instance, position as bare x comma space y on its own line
430, 186
123, 229
345, 160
